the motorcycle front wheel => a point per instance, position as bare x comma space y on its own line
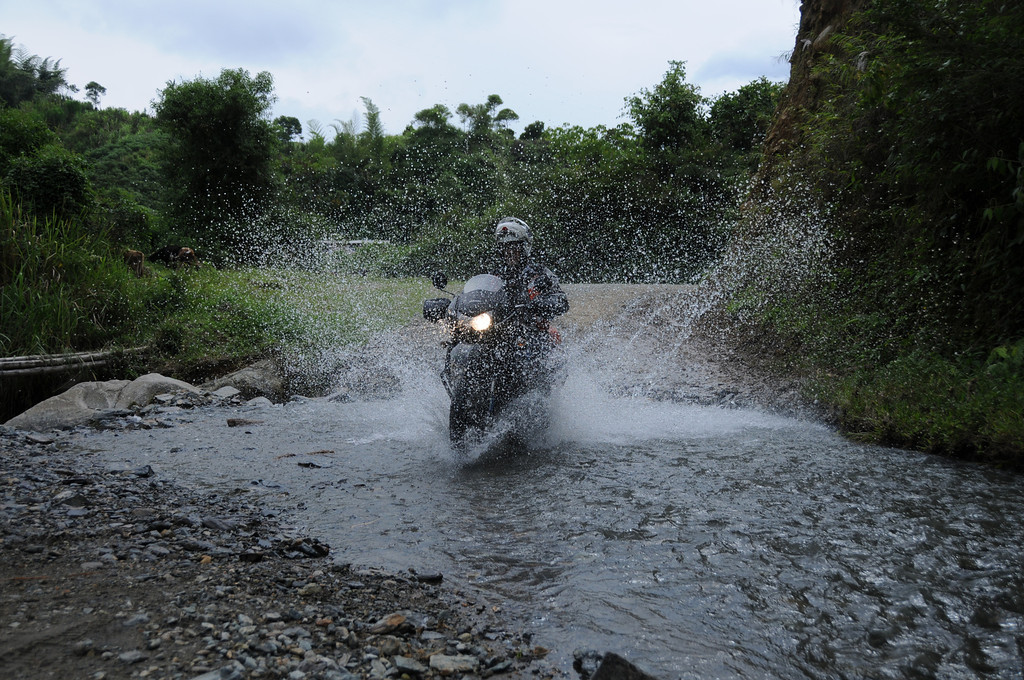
468, 413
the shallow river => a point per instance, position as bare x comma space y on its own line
697, 542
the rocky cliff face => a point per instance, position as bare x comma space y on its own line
819, 21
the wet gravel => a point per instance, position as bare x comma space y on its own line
120, 574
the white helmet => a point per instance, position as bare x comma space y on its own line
514, 230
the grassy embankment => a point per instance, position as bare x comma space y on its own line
64, 290
969, 406
900, 128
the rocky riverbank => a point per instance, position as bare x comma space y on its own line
121, 574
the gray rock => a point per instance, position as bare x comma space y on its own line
378, 669
405, 664
234, 671
262, 379
311, 590
143, 390
83, 647
89, 401
227, 392
132, 657
614, 667
389, 623
137, 620
459, 663
218, 524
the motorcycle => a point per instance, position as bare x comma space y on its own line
500, 364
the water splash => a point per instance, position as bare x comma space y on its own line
783, 244
642, 349
623, 385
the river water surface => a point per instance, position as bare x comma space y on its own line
698, 542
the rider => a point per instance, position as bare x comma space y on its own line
534, 287
529, 283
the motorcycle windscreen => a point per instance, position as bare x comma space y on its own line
482, 293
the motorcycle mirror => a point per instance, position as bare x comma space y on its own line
440, 280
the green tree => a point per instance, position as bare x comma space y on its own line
434, 135
534, 130
121, 149
739, 120
434, 118
684, 181
93, 92
671, 117
220, 153
39, 172
288, 128
485, 122
21, 133
16, 84
25, 76
372, 138
52, 180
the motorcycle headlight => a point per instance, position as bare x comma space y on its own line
480, 322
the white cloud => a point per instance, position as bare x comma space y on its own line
558, 61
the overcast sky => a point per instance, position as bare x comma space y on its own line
557, 61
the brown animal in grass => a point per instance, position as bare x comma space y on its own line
135, 259
187, 256
175, 256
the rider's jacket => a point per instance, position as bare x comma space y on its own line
535, 286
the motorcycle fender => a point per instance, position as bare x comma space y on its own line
466, 362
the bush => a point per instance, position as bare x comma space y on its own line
124, 221
21, 133
52, 180
968, 407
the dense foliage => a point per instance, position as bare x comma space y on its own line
80, 184
647, 200
218, 155
909, 134
607, 204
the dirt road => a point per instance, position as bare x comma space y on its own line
653, 335
593, 302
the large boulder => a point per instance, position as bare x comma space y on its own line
85, 401
262, 379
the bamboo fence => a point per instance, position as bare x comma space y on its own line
45, 364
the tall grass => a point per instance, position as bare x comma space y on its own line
60, 288
969, 407
64, 289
